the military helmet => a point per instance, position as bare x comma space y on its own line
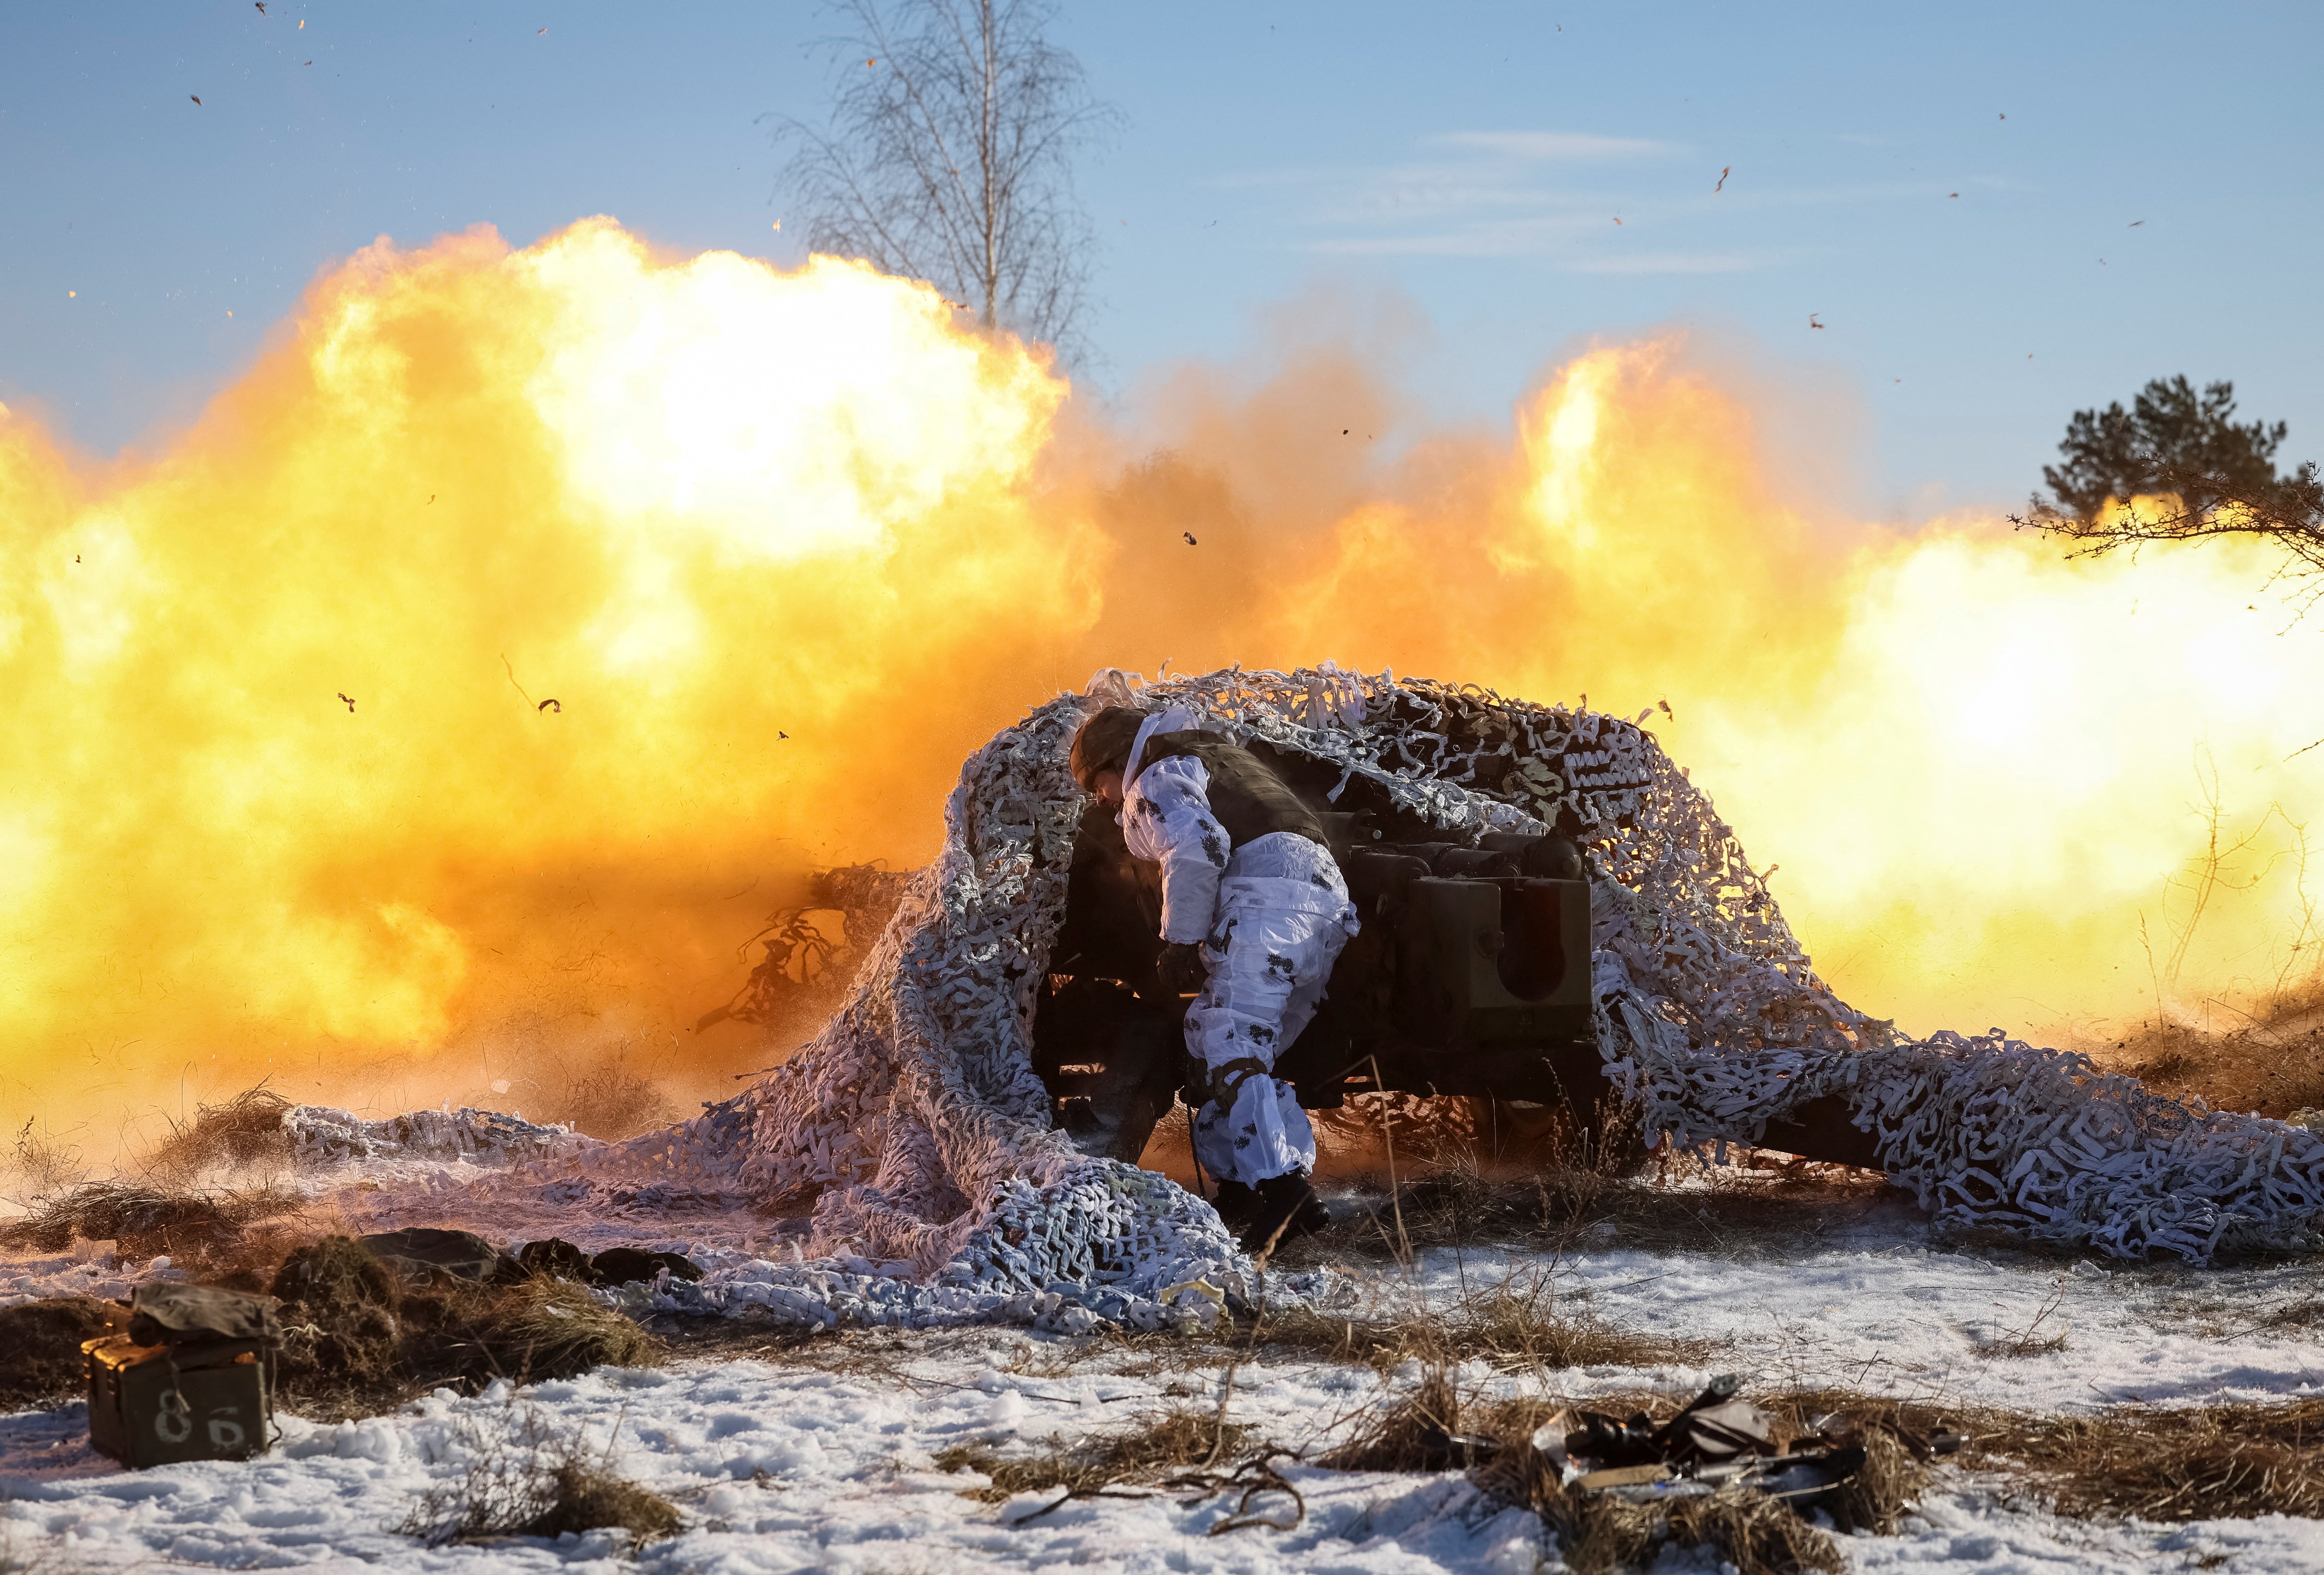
1104, 743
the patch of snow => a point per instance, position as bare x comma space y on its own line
793, 1467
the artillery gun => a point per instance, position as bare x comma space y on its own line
1471, 978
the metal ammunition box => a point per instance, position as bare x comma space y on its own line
151, 1405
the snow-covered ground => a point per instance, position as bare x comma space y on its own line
822, 1457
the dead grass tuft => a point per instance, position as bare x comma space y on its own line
584, 1495
1890, 1481
145, 1220
46, 1163
612, 1100
357, 1340
45, 1365
247, 1129
342, 1341
1753, 1534
1417, 1432
1513, 1326
2033, 1339
2214, 1462
2159, 1463
522, 1482
1185, 1437
528, 1332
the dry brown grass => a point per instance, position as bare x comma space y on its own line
358, 1341
521, 1480
246, 1129
528, 1332
145, 1220
611, 1099
1515, 1327
1419, 1432
341, 1340
2043, 1334
46, 1163
1182, 1438
2163, 1463
2204, 1463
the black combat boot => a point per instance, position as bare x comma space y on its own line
1236, 1203
1288, 1206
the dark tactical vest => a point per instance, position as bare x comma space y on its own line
1250, 800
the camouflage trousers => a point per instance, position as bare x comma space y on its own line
1283, 915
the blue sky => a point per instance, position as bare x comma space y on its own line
2137, 191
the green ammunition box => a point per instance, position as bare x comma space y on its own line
151, 1405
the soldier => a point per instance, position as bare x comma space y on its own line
1254, 912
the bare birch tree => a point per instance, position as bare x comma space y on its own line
949, 158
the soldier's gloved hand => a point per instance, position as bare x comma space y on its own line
1180, 971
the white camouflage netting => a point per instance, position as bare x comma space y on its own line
322, 1136
916, 1127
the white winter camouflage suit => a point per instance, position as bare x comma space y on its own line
1272, 916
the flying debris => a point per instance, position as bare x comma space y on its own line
1618, 220
2135, 223
538, 34
1952, 194
872, 61
780, 733
1811, 320
262, 7
1666, 711
550, 706
195, 96
1189, 536
1722, 180
350, 700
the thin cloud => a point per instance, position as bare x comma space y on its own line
1524, 238
1675, 262
1548, 147
1551, 195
